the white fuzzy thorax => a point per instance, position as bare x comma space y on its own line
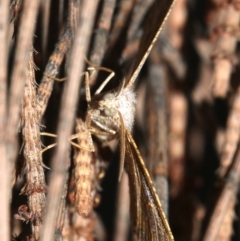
126, 105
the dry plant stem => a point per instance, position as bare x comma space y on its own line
83, 227
173, 39
26, 29
35, 187
223, 216
139, 13
84, 172
203, 89
102, 32
231, 136
16, 8
176, 23
52, 69
55, 61
125, 9
99, 229
67, 114
4, 165
157, 133
173, 57
45, 7
199, 214
140, 9
60, 11
122, 215
79, 227
62, 210
177, 129
74, 15
228, 23
130, 50
226, 228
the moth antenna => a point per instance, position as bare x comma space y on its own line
89, 62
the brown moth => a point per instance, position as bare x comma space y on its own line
111, 116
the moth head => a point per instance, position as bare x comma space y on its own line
109, 105
110, 111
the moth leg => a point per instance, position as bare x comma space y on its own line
99, 122
110, 76
50, 146
54, 78
91, 149
97, 68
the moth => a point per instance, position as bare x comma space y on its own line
110, 115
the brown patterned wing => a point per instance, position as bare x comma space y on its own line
147, 216
155, 20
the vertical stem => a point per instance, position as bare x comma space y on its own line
67, 115
26, 29
4, 177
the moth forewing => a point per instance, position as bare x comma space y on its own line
148, 217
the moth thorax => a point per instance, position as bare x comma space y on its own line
123, 103
126, 105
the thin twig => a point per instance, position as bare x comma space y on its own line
83, 172
62, 210
26, 29
35, 187
157, 132
45, 7
122, 222
177, 132
139, 12
52, 69
225, 204
4, 165
56, 59
61, 12
69, 102
102, 32
125, 8
224, 60
176, 23
133, 36
231, 136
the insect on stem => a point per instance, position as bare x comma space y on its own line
110, 116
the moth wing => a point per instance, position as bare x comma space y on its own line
147, 216
158, 14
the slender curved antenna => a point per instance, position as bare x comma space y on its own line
159, 13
